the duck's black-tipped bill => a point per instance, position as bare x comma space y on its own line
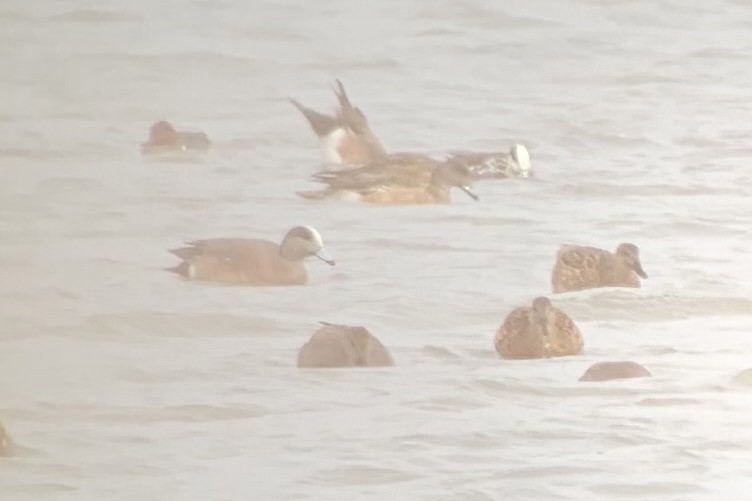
470, 193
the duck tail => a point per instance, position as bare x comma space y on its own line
183, 269
313, 195
320, 123
339, 91
351, 115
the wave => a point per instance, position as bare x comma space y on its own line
640, 306
95, 16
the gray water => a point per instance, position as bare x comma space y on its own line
120, 381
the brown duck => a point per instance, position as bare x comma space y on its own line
578, 268
538, 331
164, 138
251, 261
396, 179
343, 346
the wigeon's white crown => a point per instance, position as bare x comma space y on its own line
522, 156
315, 236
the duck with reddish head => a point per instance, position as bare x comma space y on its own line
164, 138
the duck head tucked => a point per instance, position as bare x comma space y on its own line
336, 345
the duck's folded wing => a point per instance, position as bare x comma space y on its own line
580, 257
405, 169
234, 250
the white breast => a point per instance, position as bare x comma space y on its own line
330, 143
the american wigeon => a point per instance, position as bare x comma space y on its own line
252, 261
580, 268
606, 371
164, 138
497, 165
343, 346
538, 331
6, 445
346, 137
396, 179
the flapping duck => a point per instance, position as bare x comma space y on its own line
336, 345
164, 138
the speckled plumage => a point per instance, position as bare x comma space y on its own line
580, 267
496, 165
538, 331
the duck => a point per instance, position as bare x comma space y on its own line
250, 261
606, 371
335, 345
345, 138
164, 138
578, 267
496, 165
400, 179
538, 331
